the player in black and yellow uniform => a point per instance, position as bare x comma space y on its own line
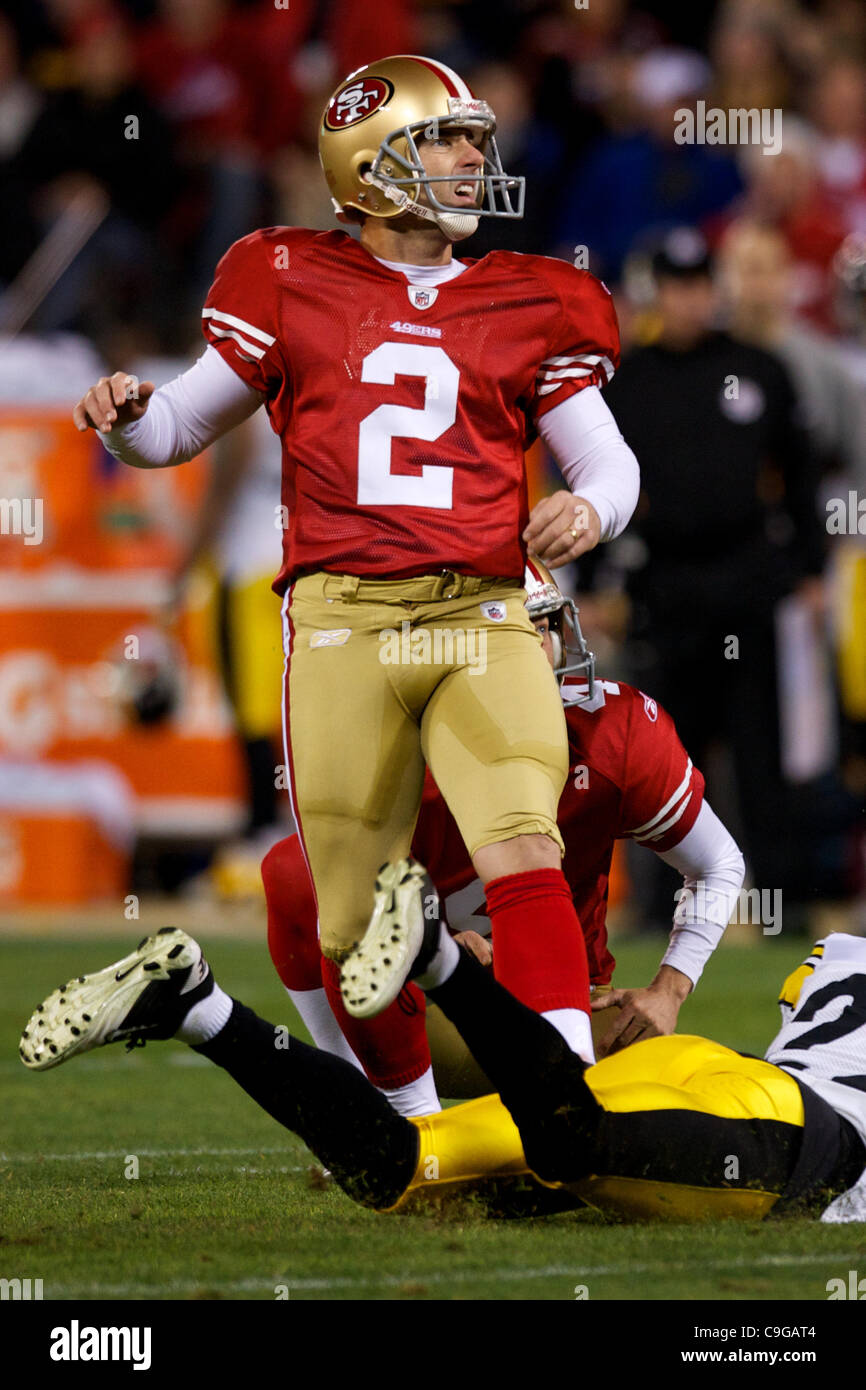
674, 1128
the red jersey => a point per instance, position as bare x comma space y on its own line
629, 778
405, 411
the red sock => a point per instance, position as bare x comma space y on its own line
392, 1047
293, 937
539, 953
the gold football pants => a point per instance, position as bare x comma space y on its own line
383, 675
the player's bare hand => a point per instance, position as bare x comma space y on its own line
475, 945
113, 402
643, 1013
562, 527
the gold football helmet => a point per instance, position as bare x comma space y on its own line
369, 152
545, 599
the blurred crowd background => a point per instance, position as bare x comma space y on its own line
139, 138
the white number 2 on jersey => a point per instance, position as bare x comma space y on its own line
377, 485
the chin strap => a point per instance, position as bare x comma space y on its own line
456, 225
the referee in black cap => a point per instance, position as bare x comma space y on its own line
729, 524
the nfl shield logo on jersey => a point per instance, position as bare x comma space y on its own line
495, 611
422, 298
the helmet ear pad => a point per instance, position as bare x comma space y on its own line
376, 204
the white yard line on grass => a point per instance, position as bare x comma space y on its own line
423, 1278
117, 1060
173, 1058
139, 1153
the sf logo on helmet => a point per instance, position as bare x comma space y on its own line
357, 101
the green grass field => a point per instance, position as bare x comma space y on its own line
228, 1205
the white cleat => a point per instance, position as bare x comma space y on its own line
398, 942
145, 996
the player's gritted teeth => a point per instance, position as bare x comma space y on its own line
466, 193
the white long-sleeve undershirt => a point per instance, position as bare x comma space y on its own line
713, 870
189, 413
186, 415
593, 457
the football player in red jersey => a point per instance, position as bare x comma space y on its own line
630, 777
405, 385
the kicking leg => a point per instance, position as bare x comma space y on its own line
355, 799
165, 989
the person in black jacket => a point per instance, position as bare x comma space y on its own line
729, 525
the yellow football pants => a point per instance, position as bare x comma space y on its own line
649, 1088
